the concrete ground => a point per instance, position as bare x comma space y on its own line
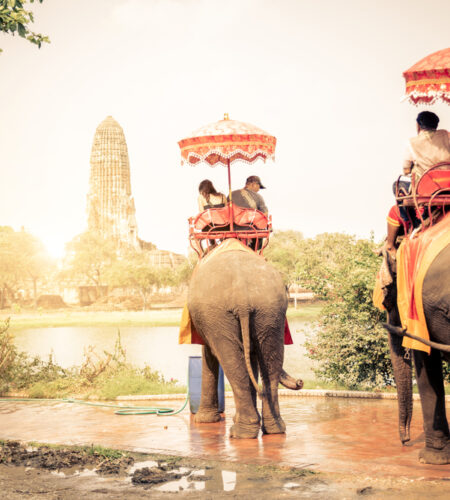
350, 436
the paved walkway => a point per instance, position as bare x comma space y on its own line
324, 434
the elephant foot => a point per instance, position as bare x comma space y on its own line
276, 426
207, 416
405, 436
435, 456
244, 431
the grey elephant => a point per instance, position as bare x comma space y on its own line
436, 304
237, 303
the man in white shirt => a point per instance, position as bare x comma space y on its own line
429, 147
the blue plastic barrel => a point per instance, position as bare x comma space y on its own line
195, 384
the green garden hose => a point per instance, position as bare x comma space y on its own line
123, 410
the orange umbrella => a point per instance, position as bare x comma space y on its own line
225, 142
429, 80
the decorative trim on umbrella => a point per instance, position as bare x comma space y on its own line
221, 148
428, 81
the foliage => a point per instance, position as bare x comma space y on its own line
183, 273
23, 258
14, 18
94, 364
17, 370
89, 256
284, 251
134, 271
351, 345
106, 376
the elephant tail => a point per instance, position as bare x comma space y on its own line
403, 333
245, 328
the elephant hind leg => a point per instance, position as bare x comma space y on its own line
272, 423
432, 397
208, 410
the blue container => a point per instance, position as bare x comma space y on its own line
195, 384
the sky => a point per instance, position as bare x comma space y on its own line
323, 76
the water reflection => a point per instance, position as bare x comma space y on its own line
154, 346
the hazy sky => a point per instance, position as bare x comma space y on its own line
323, 76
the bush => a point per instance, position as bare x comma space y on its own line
106, 375
351, 346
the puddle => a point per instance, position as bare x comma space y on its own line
141, 465
75, 472
182, 484
200, 472
229, 480
291, 486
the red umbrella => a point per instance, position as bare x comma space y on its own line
429, 80
225, 142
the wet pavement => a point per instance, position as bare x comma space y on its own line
351, 436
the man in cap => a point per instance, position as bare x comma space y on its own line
248, 197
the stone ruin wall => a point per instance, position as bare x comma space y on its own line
110, 205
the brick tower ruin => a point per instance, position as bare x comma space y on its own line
110, 206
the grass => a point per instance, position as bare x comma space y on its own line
123, 381
152, 318
89, 450
30, 319
306, 312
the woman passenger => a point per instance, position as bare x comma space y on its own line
209, 197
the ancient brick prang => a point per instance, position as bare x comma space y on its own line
110, 206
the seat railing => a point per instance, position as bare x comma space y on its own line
248, 225
431, 190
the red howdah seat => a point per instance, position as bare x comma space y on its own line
433, 181
248, 225
432, 189
214, 217
250, 217
217, 218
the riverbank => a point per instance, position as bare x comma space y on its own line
151, 318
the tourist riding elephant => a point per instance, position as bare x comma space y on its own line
237, 303
436, 305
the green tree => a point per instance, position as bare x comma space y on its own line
283, 252
182, 273
23, 258
350, 345
14, 18
88, 257
133, 270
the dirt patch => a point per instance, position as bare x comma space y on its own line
67, 473
44, 457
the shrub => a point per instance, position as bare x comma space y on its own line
351, 346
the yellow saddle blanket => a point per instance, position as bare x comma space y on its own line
414, 257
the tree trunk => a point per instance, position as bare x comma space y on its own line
35, 292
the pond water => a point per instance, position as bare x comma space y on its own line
156, 347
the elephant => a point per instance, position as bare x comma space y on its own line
237, 302
428, 368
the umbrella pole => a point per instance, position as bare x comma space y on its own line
229, 195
